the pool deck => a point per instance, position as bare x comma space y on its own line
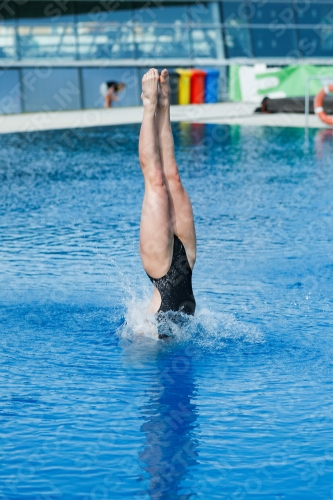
224, 113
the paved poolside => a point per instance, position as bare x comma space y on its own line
225, 113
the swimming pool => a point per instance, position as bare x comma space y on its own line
240, 404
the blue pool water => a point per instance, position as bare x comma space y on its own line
239, 405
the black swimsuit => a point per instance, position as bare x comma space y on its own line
175, 286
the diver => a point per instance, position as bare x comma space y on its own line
167, 233
109, 92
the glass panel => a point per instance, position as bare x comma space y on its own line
235, 13
7, 42
238, 42
33, 13
8, 12
160, 13
316, 42
162, 42
272, 12
100, 12
46, 41
50, 89
46, 30
268, 43
205, 13
92, 78
10, 92
106, 40
105, 30
312, 13
207, 42
237, 39
7, 30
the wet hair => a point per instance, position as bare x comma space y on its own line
118, 86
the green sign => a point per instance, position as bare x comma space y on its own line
252, 83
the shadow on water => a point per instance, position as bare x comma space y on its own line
170, 425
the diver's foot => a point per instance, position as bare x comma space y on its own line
164, 89
149, 89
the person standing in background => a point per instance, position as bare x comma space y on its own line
109, 91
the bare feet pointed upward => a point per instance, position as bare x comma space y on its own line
149, 89
164, 89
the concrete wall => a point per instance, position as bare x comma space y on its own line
54, 89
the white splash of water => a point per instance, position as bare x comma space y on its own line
138, 323
214, 329
209, 330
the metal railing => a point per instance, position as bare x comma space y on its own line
144, 62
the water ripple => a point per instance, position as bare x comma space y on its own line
239, 402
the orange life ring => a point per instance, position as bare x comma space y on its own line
318, 105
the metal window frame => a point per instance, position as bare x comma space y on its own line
191, 61
192, 25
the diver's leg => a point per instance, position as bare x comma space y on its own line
180, 206
156, 237
109, 98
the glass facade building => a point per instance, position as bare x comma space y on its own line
84, 42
